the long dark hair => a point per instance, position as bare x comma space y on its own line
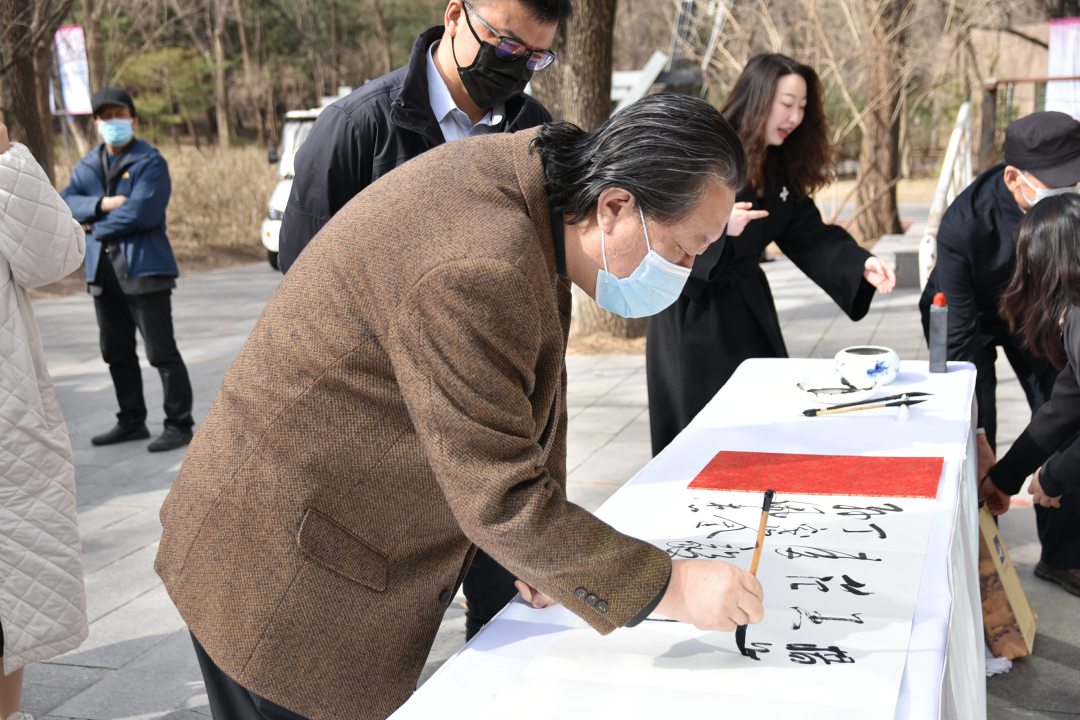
1046, 278
664, 149
807, 158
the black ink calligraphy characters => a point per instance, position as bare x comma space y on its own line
804, 551
848, 585
865, 513
810, 654
874, 528
817, 618
692, 550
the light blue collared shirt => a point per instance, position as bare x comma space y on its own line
454, 123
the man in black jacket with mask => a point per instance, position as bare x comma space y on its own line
466, 78
470, 85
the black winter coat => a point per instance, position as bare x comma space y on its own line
1051, 429
726, 312
360, 138
975, 257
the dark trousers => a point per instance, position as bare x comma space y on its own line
229, 700
1059, 528
488, 587
118, 316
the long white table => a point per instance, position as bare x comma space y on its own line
759, 410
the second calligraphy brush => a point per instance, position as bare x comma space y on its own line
740, 632
816, 412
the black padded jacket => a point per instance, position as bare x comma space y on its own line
361, 137
1050, 430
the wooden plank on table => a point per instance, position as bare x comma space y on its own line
1008, 618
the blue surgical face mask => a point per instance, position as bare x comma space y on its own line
115, 132
1043, 193
654, 285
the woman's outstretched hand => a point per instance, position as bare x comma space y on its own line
741, 215
878, 274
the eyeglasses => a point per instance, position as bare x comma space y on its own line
508, 49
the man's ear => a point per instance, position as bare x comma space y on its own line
1012, 176
452, 18
612, 203
135, 123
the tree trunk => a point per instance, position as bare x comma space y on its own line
384, 37
578, 89
221, 98
95, 47
25, 94
335, 79
879, 156
249, 75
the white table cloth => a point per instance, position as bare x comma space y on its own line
759, 410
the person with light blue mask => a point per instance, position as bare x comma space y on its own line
119, 192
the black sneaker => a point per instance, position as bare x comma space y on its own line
172, 438
122, 433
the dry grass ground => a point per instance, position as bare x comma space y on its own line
218, 202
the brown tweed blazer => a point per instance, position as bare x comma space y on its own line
401, 400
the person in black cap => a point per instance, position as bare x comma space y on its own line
119, 192
975, 257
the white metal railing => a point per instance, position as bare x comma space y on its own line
957, 172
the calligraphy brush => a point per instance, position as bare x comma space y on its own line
877, 400
814, 412
740, 632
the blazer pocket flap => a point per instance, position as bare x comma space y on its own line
336, 549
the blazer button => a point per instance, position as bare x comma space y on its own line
446, 596
602, 606
580, 593
591, 599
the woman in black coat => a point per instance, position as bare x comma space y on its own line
1040, 305
726, 312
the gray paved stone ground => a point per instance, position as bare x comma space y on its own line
138, 662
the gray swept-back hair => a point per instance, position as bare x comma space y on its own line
664, 149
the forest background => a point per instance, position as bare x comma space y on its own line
212, 80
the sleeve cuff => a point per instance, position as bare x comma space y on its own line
648, 609
1023, 458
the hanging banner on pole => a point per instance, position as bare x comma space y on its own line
74, 71
1063, 60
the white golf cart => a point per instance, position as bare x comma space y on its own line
298, 124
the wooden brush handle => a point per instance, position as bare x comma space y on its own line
760, 543
852, 409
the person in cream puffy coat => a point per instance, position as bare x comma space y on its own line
42, 598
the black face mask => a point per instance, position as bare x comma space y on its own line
491, 80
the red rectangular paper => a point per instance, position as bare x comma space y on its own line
913, 477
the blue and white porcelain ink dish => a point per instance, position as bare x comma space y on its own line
867, 363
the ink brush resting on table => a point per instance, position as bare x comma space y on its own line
740, 632
876, 403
